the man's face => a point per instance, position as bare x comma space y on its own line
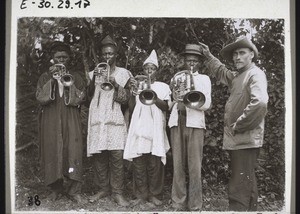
61, 57
149, 68
242, 57
109, 54
192, 60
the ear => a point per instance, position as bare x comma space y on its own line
252, 54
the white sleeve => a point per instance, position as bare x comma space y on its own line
166, 92
206, 90
122, 77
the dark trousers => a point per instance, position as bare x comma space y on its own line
148, 176
242, 189
187, 151
109, 171
73, 187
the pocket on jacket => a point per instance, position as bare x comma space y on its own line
242, 138
256, 134
238, 138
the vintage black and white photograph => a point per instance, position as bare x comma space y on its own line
150, 114
149, 107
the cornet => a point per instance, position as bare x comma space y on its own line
143, 88
104, 68
63, 75
184, 90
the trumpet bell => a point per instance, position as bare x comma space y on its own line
148, 97
194, 99
107, 86
67, 80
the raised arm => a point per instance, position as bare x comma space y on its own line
216, 68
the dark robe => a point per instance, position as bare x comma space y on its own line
60, 130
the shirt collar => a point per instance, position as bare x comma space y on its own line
250, 66
195, 73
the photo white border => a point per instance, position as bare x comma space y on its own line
155, 8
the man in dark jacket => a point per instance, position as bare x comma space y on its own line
244, 118
60, 124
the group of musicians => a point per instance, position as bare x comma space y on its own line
111, 138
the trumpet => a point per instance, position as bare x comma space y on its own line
60, 70
184, 90
143, 88
104, 68
63, 75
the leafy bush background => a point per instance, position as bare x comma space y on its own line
136, 37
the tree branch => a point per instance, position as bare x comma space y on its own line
193, 31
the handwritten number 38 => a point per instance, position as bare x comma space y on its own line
36, 200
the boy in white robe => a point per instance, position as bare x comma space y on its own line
147, 142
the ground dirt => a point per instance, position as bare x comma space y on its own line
29, 182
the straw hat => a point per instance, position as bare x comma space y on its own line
192, 49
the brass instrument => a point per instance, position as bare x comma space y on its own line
102, 69
60, 70
143, 88
63, 75
184, 90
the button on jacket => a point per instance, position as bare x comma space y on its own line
246, 106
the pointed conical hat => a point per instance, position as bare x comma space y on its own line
152, 59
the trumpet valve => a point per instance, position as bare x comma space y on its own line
97, 72
56, 75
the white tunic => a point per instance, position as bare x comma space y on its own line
147, 131
195, 118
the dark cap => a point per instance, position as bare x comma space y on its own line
108, 41
60, 46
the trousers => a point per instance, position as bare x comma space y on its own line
242, 188
73, 187
187, 151
109, 171
148, 176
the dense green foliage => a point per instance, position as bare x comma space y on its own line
136, 37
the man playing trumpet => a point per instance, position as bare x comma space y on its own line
107, 130
60, 124
147, 142
187, 123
